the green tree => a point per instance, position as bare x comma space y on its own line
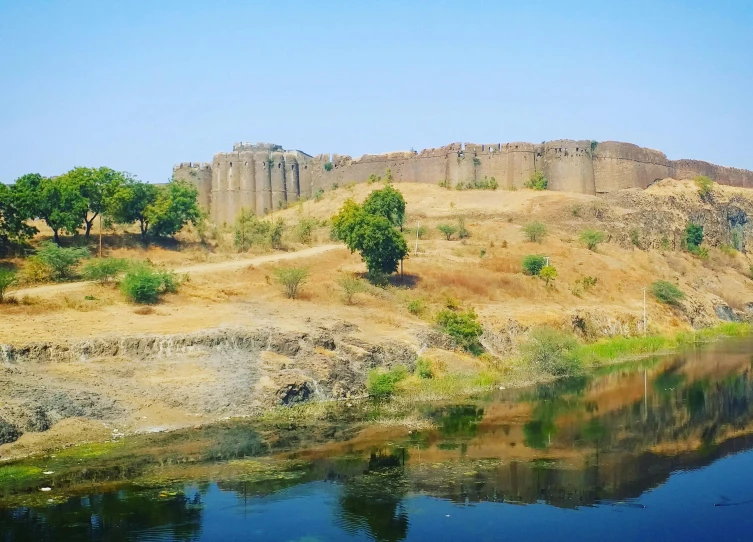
551, 351
175, 206
131, 202
381, 246
96, 186
592, 238
447, 230
535, 231
533, 264
388, 203
14, 231
693, 236
60, 204
548, 273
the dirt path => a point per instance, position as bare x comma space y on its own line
198, 268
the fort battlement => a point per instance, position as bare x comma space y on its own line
262, 177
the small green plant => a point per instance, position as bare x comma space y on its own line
537, 181
589, 282
416, 306
104, 270
535, 231
318, 195
291, 279
328, 166
463, 232
7, 279
463, 327
421, 232
552, 352
61, 261
382, 384
666, 292
444, 183
388, 178
693, 236
144, 285
477, 184
533, 264
482, 253
476, 161
275, 234
705, 188
423, 368
304, 230
737, 238
665, 244
592, 238
335, 186
635, 237
576, 210
373, 178
350, 285
548, 273
447, 230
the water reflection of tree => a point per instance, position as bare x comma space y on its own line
372, 503
110, 516
550, 401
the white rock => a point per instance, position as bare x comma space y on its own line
46, 489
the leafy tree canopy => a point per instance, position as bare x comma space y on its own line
13, 229
388, 203
59, 203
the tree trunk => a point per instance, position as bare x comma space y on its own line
88, 228
55, 236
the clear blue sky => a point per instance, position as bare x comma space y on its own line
139, 85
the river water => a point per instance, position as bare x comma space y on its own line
652, 450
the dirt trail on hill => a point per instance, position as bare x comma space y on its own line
198, 268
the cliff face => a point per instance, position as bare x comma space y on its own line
264, 177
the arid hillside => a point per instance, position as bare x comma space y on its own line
229, 343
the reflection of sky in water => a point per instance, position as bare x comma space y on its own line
657, 451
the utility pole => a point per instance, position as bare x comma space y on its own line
100, 235
418, 229
644, 310
547, 261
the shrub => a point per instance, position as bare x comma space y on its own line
351, 285
378, 278
291, 278
463, 232
421, 232
318, 195
533, 263
666, 292
416, 306
328, 166
537, 181
7, 279
552, 352
635, 237
463, 327
61, 261
104, 270
548, 273
447, 230
373, 178
705, 188
423, 368
144, 284
591, 238
382, 384
304, 230
693, 235
477, 184
444, 183
36, 271
275, 233
535, 231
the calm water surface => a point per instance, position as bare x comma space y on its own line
657, 450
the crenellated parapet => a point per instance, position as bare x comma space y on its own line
263, 177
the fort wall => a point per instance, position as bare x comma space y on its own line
261, 177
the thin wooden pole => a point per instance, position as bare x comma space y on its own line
100, 235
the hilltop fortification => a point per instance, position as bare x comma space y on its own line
262, 177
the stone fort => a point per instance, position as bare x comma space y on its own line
263, 177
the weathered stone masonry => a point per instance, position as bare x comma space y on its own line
262, 177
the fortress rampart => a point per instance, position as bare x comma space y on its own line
262, 177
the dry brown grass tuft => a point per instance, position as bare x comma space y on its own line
143, 311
